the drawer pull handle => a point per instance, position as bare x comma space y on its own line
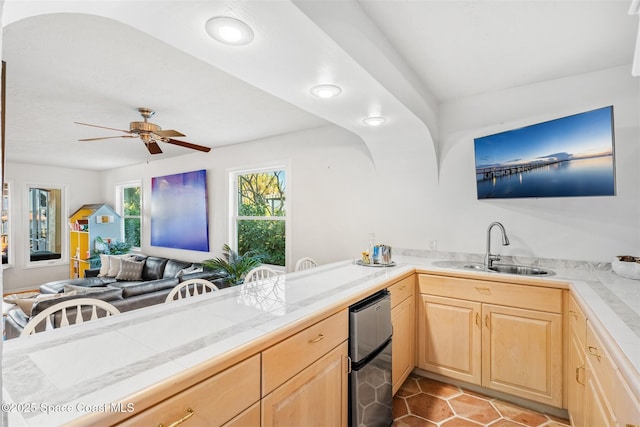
486, 320
190, 413
478, 319
483, 290
578, 375
319, 338
594, 352
573, 313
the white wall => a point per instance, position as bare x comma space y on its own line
328, 190
334, 187
82, 187
582, 228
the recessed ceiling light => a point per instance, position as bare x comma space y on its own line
374, 121
229, 30
326, 91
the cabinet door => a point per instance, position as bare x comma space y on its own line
627, 407
449, 337
317, 396
576, 381
522, 353
598, 413
403, 320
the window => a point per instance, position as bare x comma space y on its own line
260, 213
130, 202
46, 234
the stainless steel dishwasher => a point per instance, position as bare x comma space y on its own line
370, 331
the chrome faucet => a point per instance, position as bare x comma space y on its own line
489, 257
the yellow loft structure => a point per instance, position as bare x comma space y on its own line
85, 225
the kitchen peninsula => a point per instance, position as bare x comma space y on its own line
116, 369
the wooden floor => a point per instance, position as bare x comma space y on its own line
425, 402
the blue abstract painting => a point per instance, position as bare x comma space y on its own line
179, 211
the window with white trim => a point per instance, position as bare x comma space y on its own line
130, 207
259, 213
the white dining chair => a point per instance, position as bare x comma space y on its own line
305, 264
260, 273
71, 312
189, 289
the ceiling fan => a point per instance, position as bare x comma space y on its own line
149, 133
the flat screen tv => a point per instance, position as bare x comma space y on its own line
571, 156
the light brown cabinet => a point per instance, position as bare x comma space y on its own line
502, 336
305, 377
317, 396
597, 393
576, 364
403, 320
213, 401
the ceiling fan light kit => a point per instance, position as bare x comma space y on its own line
149, 133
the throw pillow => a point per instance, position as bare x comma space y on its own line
104, 265
114, 264
26, 304
130, 270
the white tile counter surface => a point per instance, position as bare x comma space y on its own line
81, 369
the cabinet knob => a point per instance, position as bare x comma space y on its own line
190, 413
319, 338
578, 375
594, 352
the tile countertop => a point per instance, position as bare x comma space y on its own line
53, 378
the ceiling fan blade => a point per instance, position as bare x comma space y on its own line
101, 127
153, 147
187, 144
108, 137
168, 133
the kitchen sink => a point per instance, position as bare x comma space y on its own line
520, 270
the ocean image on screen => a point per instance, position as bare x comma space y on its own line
568, 157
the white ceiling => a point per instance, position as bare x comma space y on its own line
97, 61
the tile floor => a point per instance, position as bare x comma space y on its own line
422, 402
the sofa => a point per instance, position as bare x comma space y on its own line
158, 276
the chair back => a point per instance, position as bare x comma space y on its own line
189, 288
70, 312
305, 264
260, 273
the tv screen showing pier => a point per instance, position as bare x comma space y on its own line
571, 156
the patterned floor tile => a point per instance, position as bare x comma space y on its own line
422, 402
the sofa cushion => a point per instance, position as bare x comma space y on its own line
130, 270
134, 289
173, 267
58, 285
153, 268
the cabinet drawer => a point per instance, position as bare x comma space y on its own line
522, 296
401, 290
249, 418
577, 321
213, 401
288, 357
603, 368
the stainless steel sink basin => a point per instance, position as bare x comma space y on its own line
521, 270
